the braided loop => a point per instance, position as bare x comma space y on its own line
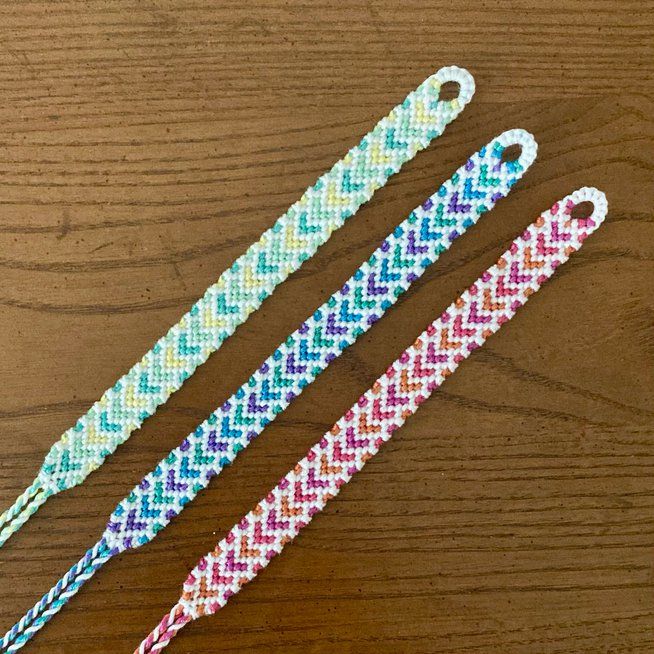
50, 604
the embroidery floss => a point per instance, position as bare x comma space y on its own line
401, 259
241, 289
490, 302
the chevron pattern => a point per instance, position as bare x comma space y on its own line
489, 303
401, 259
241, 289
396, 264
282, 249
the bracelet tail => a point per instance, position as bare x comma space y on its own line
21, 510
164, 632
52, 602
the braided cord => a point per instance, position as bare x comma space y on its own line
241, 289
480, 311
400, 260
50, 604
164, 632
22, 509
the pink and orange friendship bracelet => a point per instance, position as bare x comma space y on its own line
478, 313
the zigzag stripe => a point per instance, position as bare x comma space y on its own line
403, 256
295, 237
262, 534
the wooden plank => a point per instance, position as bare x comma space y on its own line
144, 145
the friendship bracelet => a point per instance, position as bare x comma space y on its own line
401, 259
241, 289
490, 302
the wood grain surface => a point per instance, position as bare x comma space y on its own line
144, 145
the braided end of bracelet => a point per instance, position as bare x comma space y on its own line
164, 632
25, 506
52, 602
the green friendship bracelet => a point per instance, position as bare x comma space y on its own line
241, 289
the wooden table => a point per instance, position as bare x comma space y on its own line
144, 145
